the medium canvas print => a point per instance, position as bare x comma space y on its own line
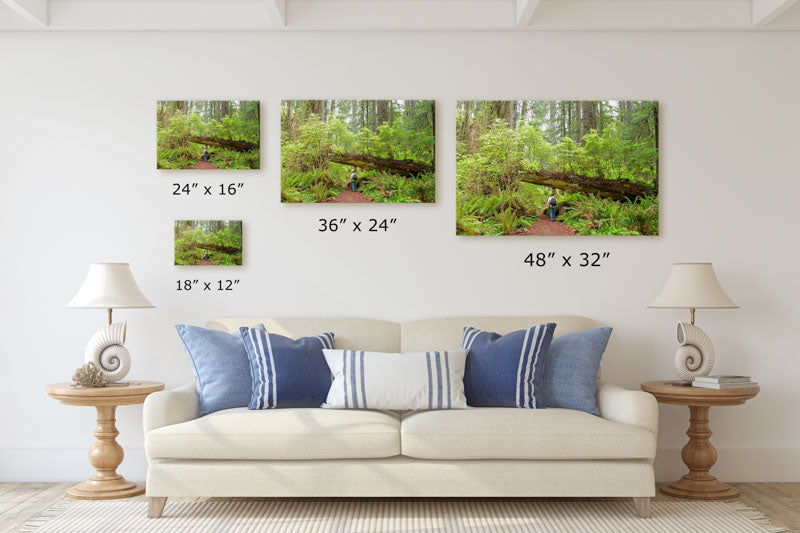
208, 134
208, 242
358, 151
562, 167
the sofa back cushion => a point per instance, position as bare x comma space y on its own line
351, 333
446, 333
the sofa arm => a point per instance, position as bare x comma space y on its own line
169, 407
632, 407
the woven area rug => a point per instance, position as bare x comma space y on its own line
563, 516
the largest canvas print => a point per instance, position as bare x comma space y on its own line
561, 167
358, 151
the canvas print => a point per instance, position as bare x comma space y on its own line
562, 167
208, 134
208, 242
358, 151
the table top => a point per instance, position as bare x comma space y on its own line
132, 393
673, 392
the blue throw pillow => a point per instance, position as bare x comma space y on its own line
286, 372
506, 371
220, 365
571, 369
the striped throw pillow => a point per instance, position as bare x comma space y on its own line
286, 372
506, 370
396, 381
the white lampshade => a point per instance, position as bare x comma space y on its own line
109, 286
693, 286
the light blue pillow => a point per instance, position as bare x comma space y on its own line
220, 365
571, 367
506, 371
286, 372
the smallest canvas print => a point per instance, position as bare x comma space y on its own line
208, 242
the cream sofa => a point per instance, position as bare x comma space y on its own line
480, 452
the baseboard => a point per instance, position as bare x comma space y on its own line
738, 464
70, 465
52, 464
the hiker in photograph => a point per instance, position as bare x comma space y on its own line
205, 154
552, 205
354, 180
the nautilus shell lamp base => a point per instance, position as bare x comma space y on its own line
695, 355
107, 350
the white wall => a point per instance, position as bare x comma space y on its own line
79, 184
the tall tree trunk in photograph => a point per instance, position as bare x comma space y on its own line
501, 109
411, 109
589, 115
382, 108
569, 120
316, 107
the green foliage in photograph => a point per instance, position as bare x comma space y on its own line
388, 143
208, 134
208, 242
600, 158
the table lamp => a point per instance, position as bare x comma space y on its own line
693, 286
109, 286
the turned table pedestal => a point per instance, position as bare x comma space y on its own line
698, 454
106, 454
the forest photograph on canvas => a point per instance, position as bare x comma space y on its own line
560, 167
208, 242
358, 151
208, 134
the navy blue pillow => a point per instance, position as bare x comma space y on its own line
506, 371
286, 372
571, 369
220, 366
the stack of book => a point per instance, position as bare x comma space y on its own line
723, 382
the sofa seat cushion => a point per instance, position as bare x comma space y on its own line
509, 433
280, 434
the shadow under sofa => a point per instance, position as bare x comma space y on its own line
477, 452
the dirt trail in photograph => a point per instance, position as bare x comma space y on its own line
544, 226
348, 196
205, 262
203, 164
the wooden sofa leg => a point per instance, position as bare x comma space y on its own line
155, 506
642, 506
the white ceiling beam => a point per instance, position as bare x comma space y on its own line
372, 15
277, 10
525, 10
34, 11
642, 15
765, 11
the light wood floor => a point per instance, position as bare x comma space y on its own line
21, 501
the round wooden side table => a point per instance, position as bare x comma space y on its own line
106, 454
698, 454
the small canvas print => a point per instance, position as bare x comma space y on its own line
208, 242
562, 167
208, 134
358, 151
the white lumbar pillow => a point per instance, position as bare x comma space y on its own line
396, 381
